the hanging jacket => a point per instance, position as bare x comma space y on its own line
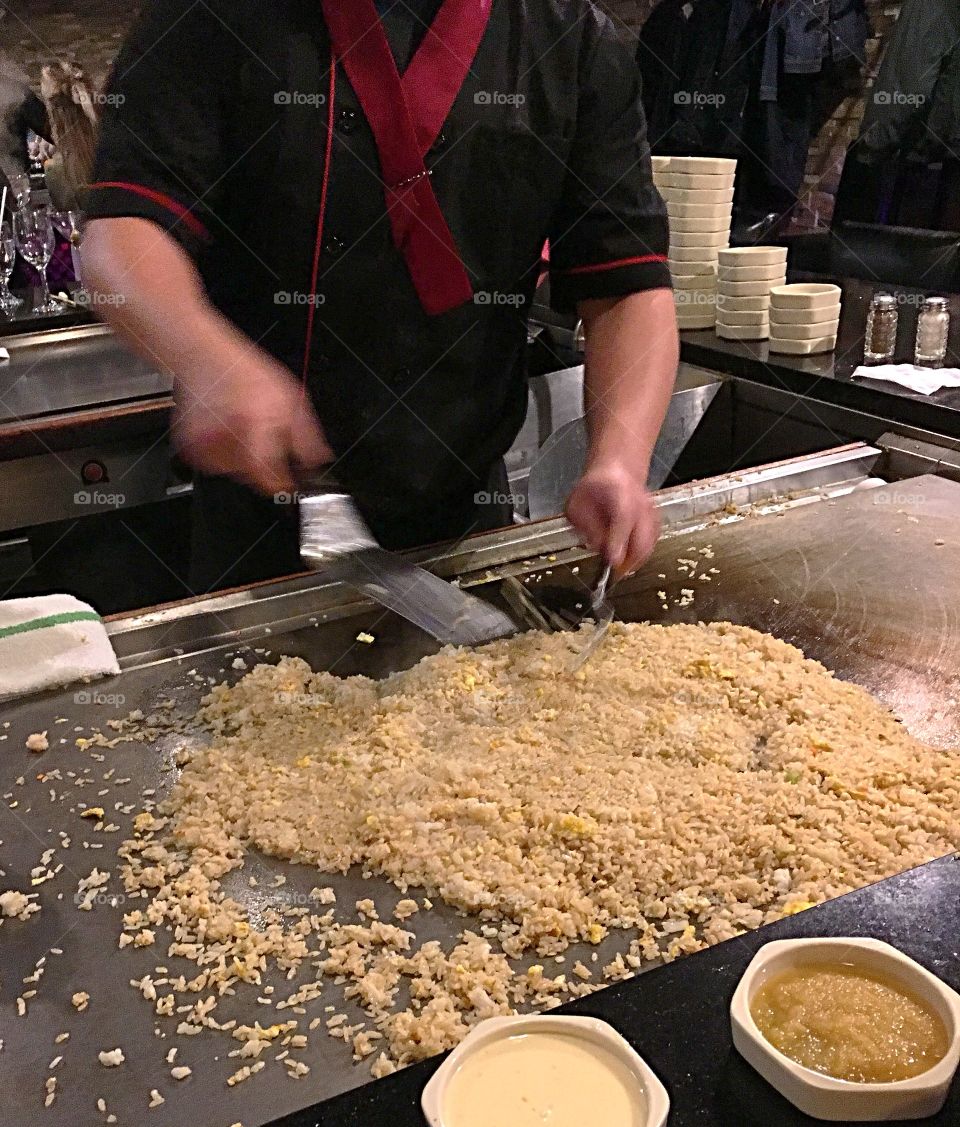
804, 34
914, 105
700, 58
695, 60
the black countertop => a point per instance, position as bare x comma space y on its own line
676, 1016
828, 377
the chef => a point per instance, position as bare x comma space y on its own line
326, 219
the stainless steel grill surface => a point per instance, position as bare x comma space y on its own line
827, 558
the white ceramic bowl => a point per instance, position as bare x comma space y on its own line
696, 320
745, 317
771, 274
713, 181
708, 226
745, 289
806, 295
698, 238
698, 195
700, 276
649, 1088
802, 316
682, 209
823, 1096
660, 163
742, 332
699, 310
712, 166
755, 256
693, 254
754, 303
802, 347
802, 332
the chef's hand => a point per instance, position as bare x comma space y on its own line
238, 411
247, 418
615, 515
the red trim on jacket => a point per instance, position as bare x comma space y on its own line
595, 267
183, 214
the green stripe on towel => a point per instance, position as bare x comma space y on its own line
50, 620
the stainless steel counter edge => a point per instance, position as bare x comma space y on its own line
167, 633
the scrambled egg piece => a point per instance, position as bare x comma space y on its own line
798, 906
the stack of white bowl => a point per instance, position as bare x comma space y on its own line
746, 277
699, 196
804, 318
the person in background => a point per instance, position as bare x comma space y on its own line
70, 103
20, 112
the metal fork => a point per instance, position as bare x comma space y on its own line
603, 615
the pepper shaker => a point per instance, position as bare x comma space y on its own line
881, 335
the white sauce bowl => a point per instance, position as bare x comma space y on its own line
651, 1094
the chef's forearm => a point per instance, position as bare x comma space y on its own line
632, 353
145, 285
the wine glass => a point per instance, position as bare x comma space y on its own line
8, 258
36, 241
68, 224
20, 186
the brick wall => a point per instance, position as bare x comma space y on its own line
828, 148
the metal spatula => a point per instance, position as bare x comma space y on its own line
335, 537
602, 615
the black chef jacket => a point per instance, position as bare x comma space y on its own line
216, 129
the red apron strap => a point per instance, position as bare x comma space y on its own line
420, 231
438, 70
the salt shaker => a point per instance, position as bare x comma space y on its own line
882, 321
933, 327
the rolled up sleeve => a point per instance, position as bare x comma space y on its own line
161, 150
609, 237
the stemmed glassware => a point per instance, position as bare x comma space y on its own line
8, 258
20, 185
36, 241
68, 224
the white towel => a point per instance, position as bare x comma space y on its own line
51, 641
923, 380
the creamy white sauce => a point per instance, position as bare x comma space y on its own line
544, 1080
